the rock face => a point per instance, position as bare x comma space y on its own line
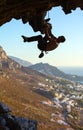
6, 62
23, 9
2, 54
10, 122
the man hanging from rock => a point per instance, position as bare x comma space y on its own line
43, 44
47, 43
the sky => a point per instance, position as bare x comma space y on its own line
69, 53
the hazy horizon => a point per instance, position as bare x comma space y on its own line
77, 70
46, 62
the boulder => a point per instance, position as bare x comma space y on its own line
4, 108
10, 122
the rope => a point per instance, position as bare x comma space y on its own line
48, 14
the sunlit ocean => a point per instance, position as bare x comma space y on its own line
72, 70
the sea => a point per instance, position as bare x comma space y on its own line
72, 70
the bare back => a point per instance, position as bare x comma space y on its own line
51, 45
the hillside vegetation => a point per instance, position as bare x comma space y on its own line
50, 100
25, 102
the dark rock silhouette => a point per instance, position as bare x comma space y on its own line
10, 122
23, 9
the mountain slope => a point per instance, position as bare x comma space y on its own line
47, 69
54, 71
30, 94
6, 62
20, 61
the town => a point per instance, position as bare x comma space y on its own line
65, 95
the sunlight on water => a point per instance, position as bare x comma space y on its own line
72, 70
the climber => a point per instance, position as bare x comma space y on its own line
45, 44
